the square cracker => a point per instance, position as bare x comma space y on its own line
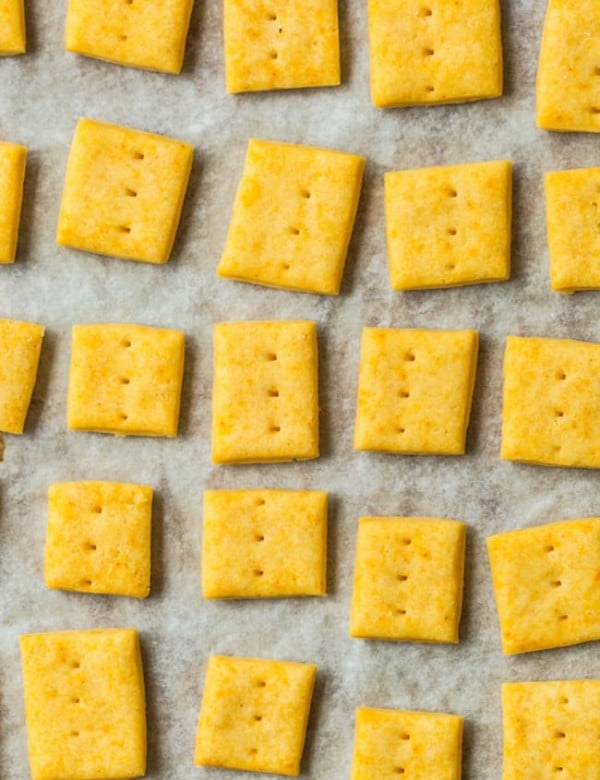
264, 543
125, 379
254, 714
280, 44
98, 538
551, 730
448, 225
149, 34
12, 174
20, 347
573, 224
388, 743
408, 579
293, 217
568, 77
12, 27
551, 408
546, 584
265, 392
84, 704
434, 51
414, 390
123, 193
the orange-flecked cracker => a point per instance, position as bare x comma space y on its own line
264, 543
568, 77
280, 44
149, 34
391, 743
99, 537
546, 584
434, 51
551, 409
408, 579
414, 390
125, 379
12, 174
20, 347
254, 714
449, 225
123, 193
84, 704
12, 27
551, 730
293, 217
265, 392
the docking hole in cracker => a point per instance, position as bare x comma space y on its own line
20, 347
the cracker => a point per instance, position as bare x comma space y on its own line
254, 714
434, 51
414, 390
125, 379
293, 217
551, 411
20, 347
408, 579
265, 392
264, 543
84, 704
568, 77
12, 27
98, 538
149, 34
546, 584
573, 224
449, 225
12, 174
551, 730
123, 193
388, 743
280, 44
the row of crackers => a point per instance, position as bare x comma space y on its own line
421, 51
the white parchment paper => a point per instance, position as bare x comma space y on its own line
42, 95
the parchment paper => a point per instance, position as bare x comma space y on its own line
42, 95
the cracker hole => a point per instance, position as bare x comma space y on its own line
409, 357
401, 612
294, 231
89, 546
259, 538
285, 266
401, 577
271, 356
429, 88
86, 583
253, 751
126, 343
560, 734
428, 52
403, 394
272, 17
122, 37
137, 155
124, 380
260, 501
400, 430
556, 583
273, 55
549, 548
258, 572
97, 509
450, 266
425, 11
273, 393
257, 718
596, 71
130, 193
451, 231
124, 229
75, 664
124, 416
398, 770
558, 768
305, 194
451, 192
74, 733
75, 699
563, 700
595, 110
561, 376
260, 683
406, 541
404, 736
563, 617
274, 428
559, 413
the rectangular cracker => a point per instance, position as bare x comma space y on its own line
298, 238
551, 408
264, 543
12, 173
449, 225
20, 347
98, 538
265, 392
12, 27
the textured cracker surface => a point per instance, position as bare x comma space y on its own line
12, 27
12, 173
20, 346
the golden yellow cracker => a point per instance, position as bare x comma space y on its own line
254, 714
149, 34
449, 225
573, 224
264, 543
414, 390
280, 44
293, 217
84, 704
20, 346
12, 27
125, 379
388, 743
99, 537
551, 411
408, 579
433, 51
546, 584
551, 730
123, 193
265, 392
12, 173
568, 77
